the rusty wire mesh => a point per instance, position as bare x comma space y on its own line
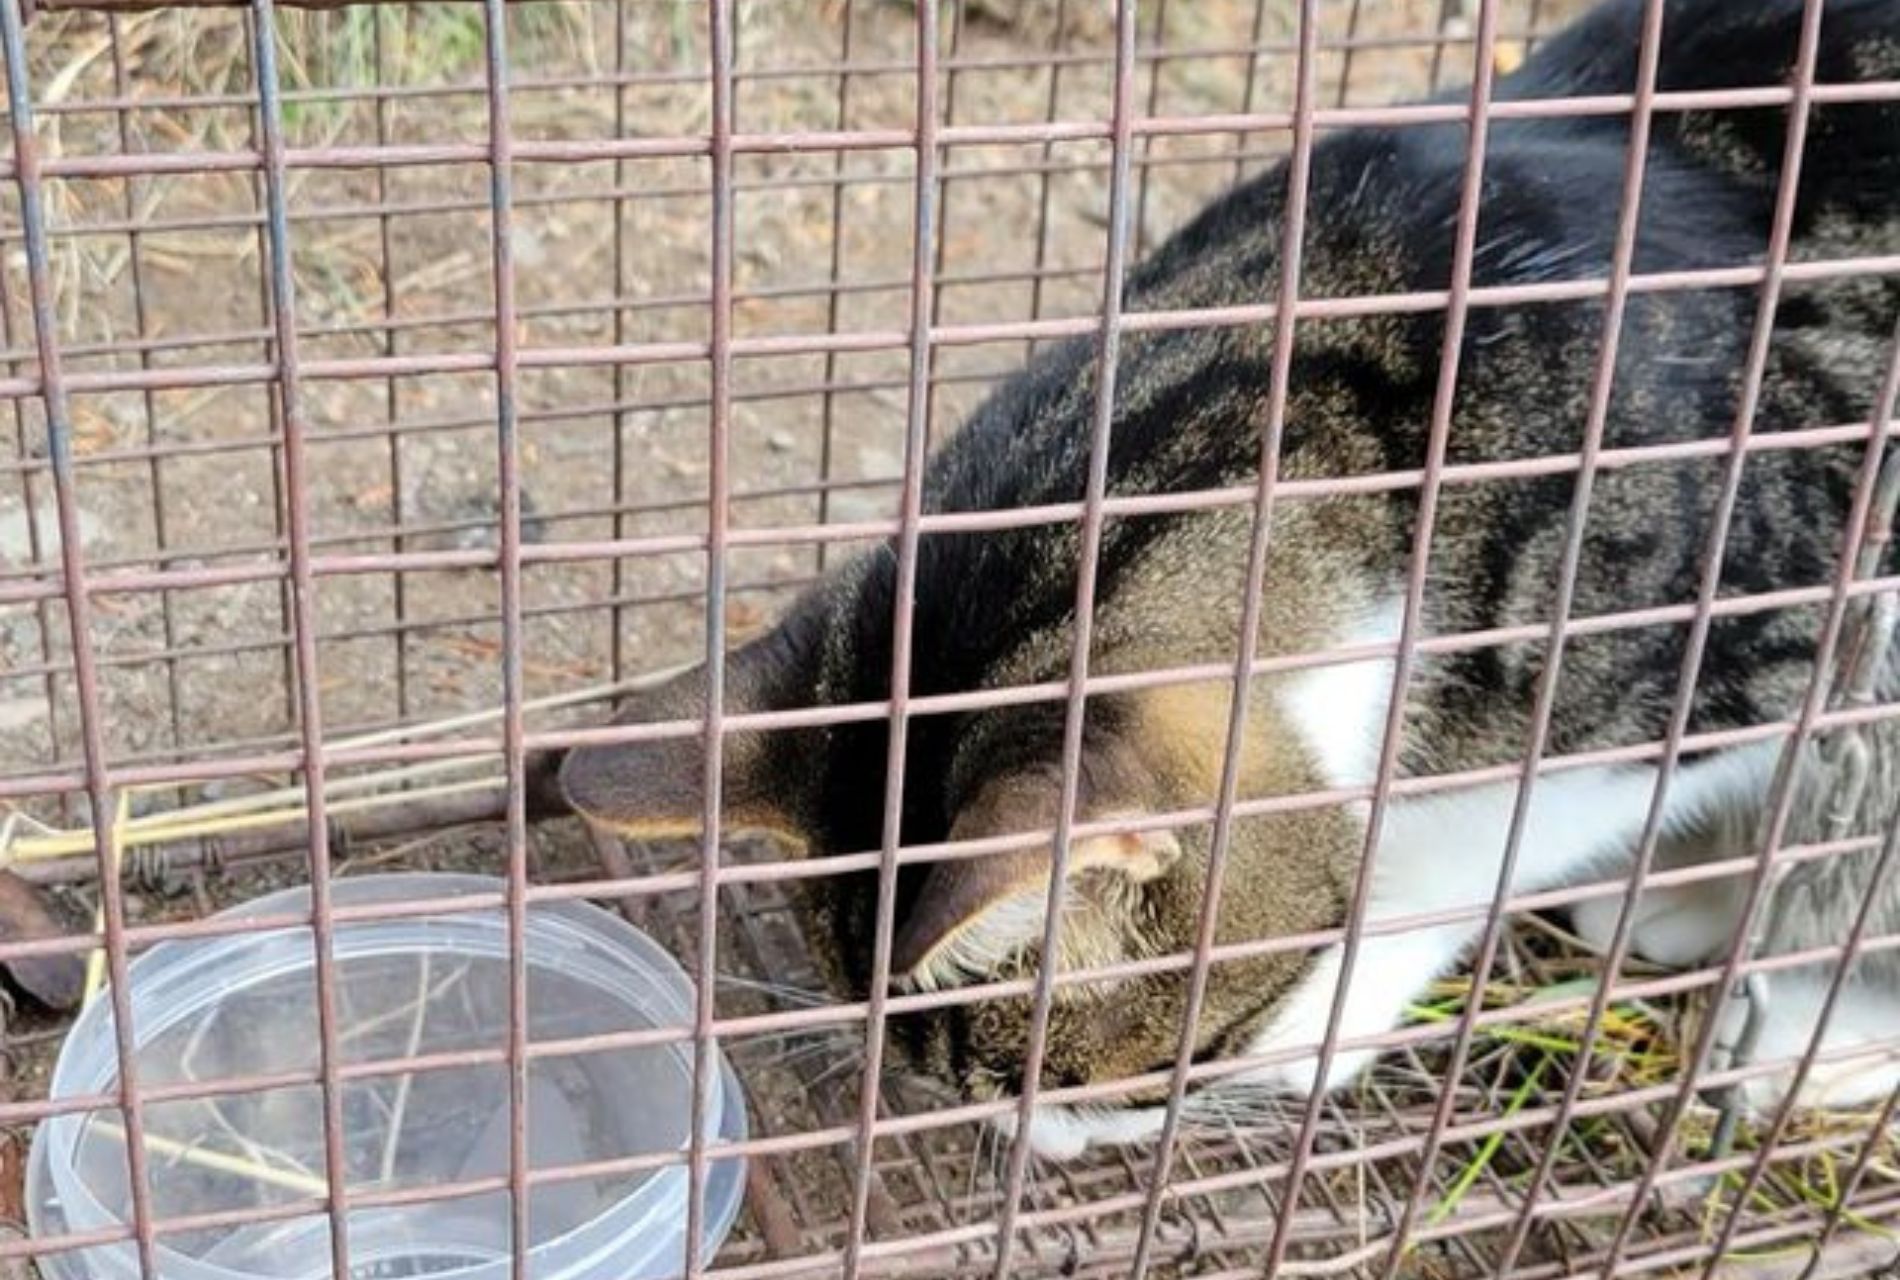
383, 367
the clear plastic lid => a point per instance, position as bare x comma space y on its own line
247, 1005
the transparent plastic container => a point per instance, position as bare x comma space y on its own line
246, 1005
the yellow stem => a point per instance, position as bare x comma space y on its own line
285, 804
96, 959
187, 823
218, 1162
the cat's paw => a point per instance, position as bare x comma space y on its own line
1060, 1134
1299, 1076
1389, 971
1859, 1063
1849, 1085
1299, 1028
1052, 1134
1675, 925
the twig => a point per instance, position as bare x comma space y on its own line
401, 1104
286, 804
139, 833
218, 1162
429, 997
96, 959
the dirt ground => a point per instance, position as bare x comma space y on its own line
211, 678
168, 271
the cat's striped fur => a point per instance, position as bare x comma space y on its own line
996, 609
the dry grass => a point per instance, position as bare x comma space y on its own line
191, 72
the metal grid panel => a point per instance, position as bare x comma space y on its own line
854, 1175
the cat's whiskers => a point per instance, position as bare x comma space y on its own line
1239, 1107
794, 1035
794, 1054
783, 991
986, 1137
999, 1161
852, 1061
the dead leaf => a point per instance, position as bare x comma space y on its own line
56, 981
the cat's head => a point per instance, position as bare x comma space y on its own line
966, 921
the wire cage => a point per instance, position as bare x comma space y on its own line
391, 386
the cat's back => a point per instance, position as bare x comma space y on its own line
1382, 220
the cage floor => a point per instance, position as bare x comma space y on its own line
935, 1194
392, 264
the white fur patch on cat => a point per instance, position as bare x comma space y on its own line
1064, 1133
1445, 852
1340, 709
1859, 1063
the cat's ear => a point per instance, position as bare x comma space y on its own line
655, 788
974, 913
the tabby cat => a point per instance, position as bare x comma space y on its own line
997, 609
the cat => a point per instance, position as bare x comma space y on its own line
997, 609
1692, 925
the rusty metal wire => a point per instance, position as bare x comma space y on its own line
354, 597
